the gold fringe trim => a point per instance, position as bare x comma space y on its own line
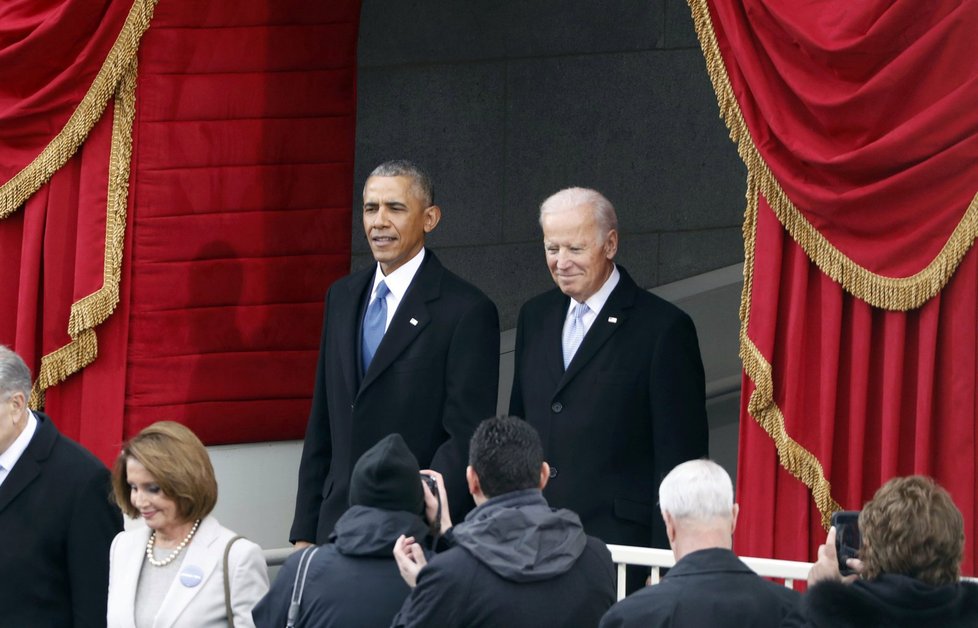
60, 363
22, 185
95, 308
797, 460
889, 293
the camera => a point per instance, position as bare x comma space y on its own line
847, 537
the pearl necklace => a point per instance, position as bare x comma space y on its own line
169, 559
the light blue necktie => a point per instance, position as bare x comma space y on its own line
574, 332
374, 323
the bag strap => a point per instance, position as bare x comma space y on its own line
299, 585
227, 582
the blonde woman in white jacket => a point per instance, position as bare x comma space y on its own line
170, 574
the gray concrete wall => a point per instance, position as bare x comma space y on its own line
508, 101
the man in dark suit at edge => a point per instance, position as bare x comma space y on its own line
56, 521
407, 347
609, 374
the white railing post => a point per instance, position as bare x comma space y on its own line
657, 559
622, 575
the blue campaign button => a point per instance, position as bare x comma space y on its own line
191, 576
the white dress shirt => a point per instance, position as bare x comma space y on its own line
595, 302
397, 282
17, 448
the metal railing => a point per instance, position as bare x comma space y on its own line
657, 559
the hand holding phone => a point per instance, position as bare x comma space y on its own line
847, 538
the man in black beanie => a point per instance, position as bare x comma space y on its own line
353, 580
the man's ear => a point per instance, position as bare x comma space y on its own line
544, 474
733, 518
670, 527
432, 216
473, 481
611, 244
19, 402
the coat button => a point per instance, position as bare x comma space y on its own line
553, 472
557, 407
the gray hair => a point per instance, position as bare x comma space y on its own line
14, 374
421, 182
572, 198
698, 490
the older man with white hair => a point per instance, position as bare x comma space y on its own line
709, 586
56, 521
609, 374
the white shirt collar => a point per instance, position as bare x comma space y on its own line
17, 448
597, 300
399, 280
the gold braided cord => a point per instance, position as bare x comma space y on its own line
95, 308
797, 460
59, 150
889, 293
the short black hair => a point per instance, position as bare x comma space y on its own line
420, 178
506, 454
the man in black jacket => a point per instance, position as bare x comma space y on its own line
709, 586
514, 561
353, 580
408, 347
56, 521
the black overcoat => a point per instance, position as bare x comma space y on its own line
433, 378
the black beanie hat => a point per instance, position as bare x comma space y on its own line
387, 476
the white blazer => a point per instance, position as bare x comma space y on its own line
200, 606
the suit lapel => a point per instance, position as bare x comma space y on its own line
28, 467
128, 561
553, 332
611, 317
349, 312
411, 317
203, 552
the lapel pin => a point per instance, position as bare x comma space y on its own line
414, 322
191, 576
612, 319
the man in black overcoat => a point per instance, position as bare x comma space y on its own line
407, 347
56, 520
609, 374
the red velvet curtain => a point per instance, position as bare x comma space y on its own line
208, 251
859, 316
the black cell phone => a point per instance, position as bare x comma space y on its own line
432, 484
435, 530
847, 538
